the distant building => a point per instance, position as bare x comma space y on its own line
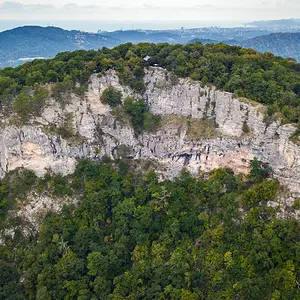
146, 58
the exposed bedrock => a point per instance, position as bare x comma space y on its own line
202, 129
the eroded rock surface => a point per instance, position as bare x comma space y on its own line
238, 132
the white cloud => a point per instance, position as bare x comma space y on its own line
149, 10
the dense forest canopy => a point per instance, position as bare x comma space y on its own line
267, 79
133, 237
129, 235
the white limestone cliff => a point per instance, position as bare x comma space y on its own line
202, 129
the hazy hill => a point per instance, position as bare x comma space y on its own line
276, 23
153, 36
25, 43
33, 41
281, 44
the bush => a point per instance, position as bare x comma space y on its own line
259, 171
20, 182
61, 88
66, 130
3, 201
141, 118
60, 186
266, 191
151, 122
30, 102
111, 96
245, 128
136, 109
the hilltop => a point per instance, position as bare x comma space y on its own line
150, 172
16, 45
22, 43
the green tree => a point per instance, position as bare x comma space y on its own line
111, 96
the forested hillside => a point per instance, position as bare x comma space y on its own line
264, 78
129, 234
34, 41
281, 44
133, 237
16, 44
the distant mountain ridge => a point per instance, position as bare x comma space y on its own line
275, 23
33, 41
28, 42
281, 44
22, 44
284, 44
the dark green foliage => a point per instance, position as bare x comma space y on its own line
133, 76
133, 237
19, 182
36, 41
141, 118
111, 96
246, 128
3, 201
264, 191
259, 171
60, 186
61, 88
30, 102
136, 110
264, 78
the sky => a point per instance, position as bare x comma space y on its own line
146, 11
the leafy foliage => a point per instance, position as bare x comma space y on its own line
141, 118
276, 43
133, 237
265, 78
35, 41
30, 102
259, 171
111, 96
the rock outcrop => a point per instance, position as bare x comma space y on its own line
202, 128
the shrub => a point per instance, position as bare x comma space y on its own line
259, 171
245, 128
141, 118
3, 201
111, 96
266, 191
30, 102
136, 109
20, 182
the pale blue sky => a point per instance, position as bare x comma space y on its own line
159, 10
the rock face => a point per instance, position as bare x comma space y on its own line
202, 129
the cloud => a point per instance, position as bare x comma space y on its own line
151, 10
16, 8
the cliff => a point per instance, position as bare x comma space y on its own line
202, 129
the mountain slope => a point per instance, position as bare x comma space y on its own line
35, 41
25, 43
281, 44
283, 23
101, 221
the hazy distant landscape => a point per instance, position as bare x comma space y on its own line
94, 26
281, 37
